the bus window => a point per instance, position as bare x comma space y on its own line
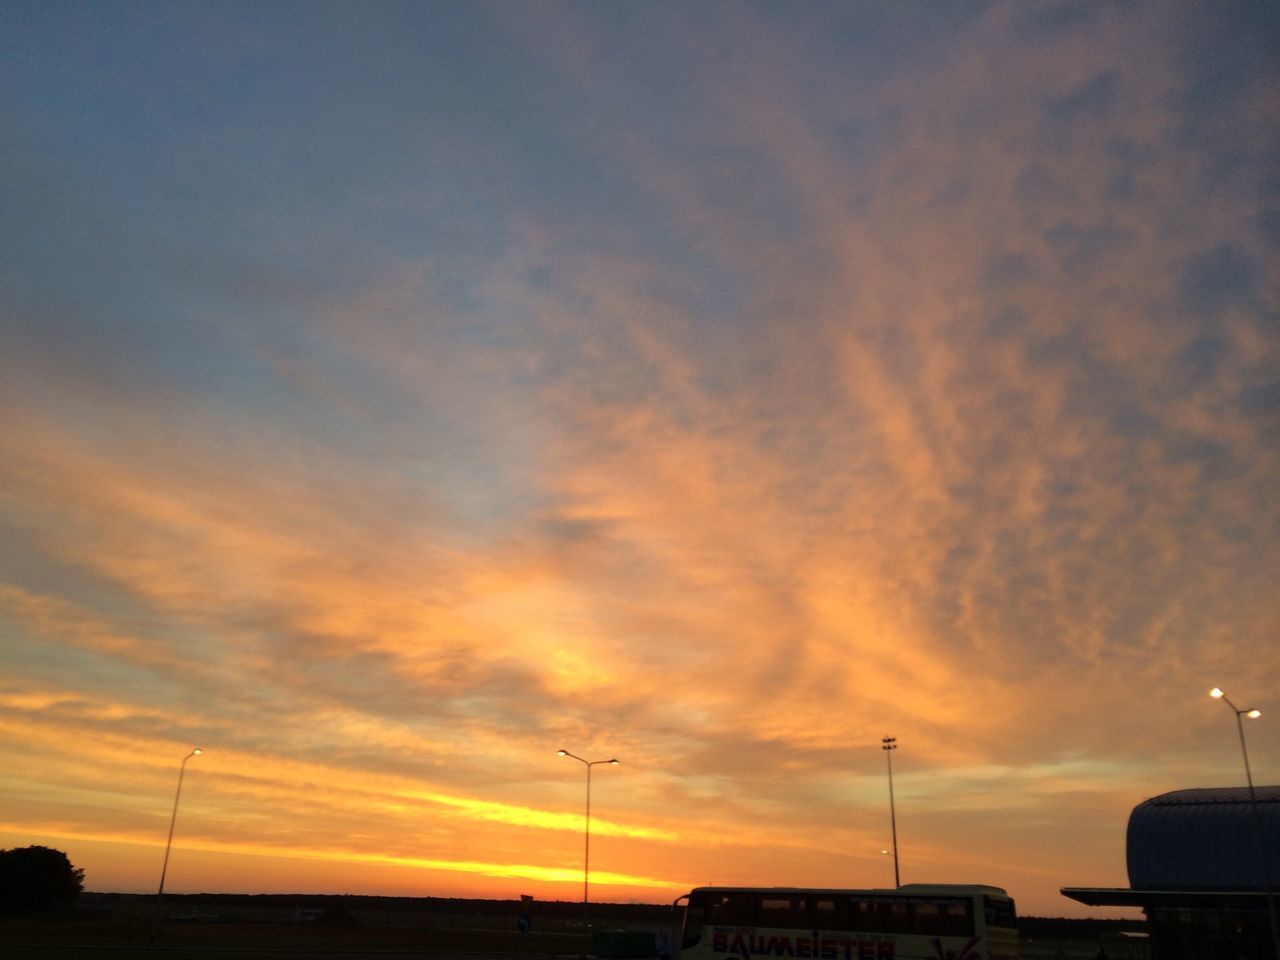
695, 913
879, 915
732, 910
890, 916
957, 918
829, 913
999, 912
862, 915
925, 917
950, 918
784, 913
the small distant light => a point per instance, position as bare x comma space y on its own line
615, 759
196, 752
1216, 693
1254, 714
562, 753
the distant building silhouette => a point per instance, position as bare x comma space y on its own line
1201, 865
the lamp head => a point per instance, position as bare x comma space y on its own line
196, 752
562, 753
1216, 693
1253, 714
615, 759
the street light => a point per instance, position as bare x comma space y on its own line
1254, 714
174, 819
586, 852
888, 745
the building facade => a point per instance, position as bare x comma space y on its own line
1203, 865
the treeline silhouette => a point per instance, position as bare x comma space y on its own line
434, 906
35, 879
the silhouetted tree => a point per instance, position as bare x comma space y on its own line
33, 879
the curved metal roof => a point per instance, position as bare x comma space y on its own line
1206, 839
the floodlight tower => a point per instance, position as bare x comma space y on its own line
888, 745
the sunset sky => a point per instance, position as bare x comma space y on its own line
392, 394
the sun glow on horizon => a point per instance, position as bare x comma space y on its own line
569, 875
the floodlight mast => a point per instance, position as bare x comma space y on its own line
888, 745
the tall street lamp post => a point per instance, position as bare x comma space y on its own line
586, 852
888, 745
1254, 714
174, 818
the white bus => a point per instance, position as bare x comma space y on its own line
918, 921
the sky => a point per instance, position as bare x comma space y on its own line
392, 394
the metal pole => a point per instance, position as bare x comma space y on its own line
888, 745
1257, 822
586, 852
173, 819
1257, 829
1244, 751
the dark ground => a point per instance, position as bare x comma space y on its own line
301, 927
308, 927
